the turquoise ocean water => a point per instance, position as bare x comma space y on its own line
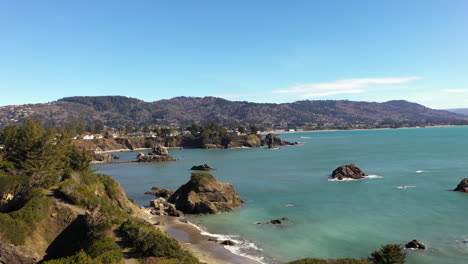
332, 219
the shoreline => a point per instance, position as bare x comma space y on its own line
358, 129
198, 244
291, 132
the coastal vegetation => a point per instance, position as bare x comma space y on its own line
387, 254
55, 208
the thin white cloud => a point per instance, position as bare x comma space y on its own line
457, 90
346, 86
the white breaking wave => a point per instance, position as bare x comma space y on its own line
290, 205
420, 171
305, 137
406, 186
365, 178
241, 248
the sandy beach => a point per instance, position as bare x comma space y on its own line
192, 240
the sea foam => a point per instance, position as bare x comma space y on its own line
365, 178
242, 247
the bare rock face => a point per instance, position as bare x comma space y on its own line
10, 254
350, 171
273, 141
161, 207
462, 186
102, 157
203, 194
159, 150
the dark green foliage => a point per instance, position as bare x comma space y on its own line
105, 250
330, 261
11, 230
79, 258
79, 160
389, 254
149, 242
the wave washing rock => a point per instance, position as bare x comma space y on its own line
462, 186
350, 171
415, 244
273, 141
158, 154
276, 221
203, 194
205, 167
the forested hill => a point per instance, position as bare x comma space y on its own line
462, 111
119, 111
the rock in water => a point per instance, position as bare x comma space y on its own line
462, 186
158, 154
273, 141
350, 171
205, 167
415, 244
159, 150
203, 194
228, 243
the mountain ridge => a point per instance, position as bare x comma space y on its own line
118, 111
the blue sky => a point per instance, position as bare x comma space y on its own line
261, 51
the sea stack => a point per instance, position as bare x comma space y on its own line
158, 154
204, 194
462, 186
273, 141
350, 171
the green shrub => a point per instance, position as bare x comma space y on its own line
79, 258
12, 230
389, 254
36, 208
105, 250
149, 242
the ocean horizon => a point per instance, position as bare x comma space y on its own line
408, 195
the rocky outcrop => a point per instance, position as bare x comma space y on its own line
160, 192
158, 154
160, 151
213, 146
273, 141
203, 194
246, 141
276, 221
462, 186
228, 243
125, 142
11, 254
102, 157
161, 207
415, 244
205, 167
350, 171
